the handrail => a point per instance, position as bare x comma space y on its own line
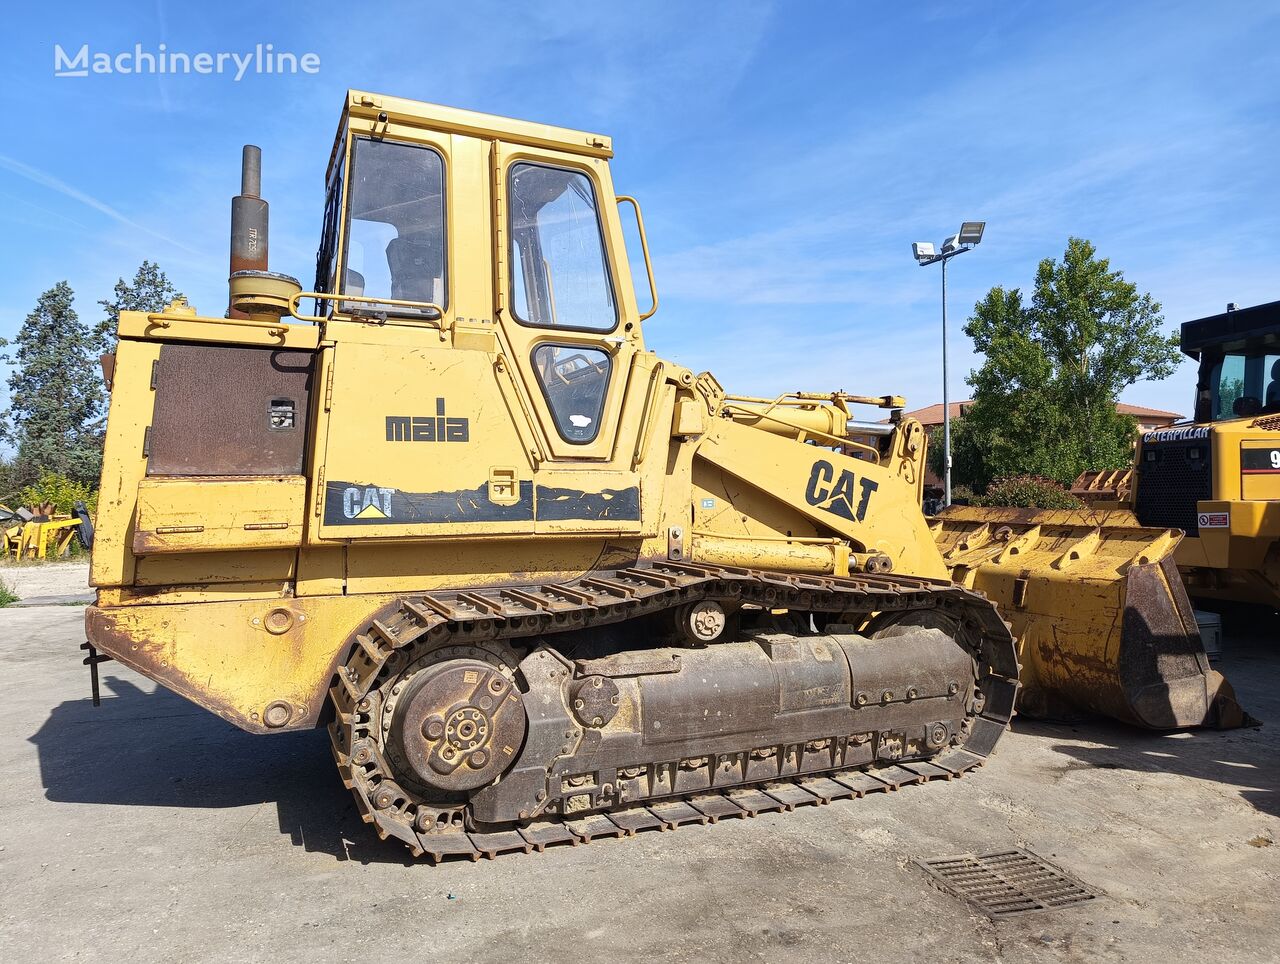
644, 247
362, 299
646, 415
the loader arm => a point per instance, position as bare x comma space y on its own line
875, 505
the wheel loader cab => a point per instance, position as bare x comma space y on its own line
1240, 383
1219, 478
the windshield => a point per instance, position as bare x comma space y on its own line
395, 236
559, 274
1245, 384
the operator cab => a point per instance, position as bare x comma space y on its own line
1239, 355
1244, 384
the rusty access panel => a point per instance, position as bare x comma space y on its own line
229, 410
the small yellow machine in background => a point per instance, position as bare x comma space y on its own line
40, 534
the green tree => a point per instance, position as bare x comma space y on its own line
1044, 400
55, 413
149, 291
8, 487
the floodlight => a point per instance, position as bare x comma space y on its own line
970, 233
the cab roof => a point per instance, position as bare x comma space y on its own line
416, 113
1236, 328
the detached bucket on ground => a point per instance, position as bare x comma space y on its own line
1103, 622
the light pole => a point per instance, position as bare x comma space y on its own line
970, 234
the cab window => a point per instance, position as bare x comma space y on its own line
396, 232
574, 380
327, 256
559, 273
1245, 384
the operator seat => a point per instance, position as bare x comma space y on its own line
415, 267
1273, 389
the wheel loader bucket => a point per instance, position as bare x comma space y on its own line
1103, 622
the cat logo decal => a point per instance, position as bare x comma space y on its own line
844, 494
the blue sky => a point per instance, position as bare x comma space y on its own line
786, 155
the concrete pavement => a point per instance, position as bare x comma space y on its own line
151, 830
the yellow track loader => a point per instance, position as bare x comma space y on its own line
539, 584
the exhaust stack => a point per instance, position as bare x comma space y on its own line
249, 216
255, 291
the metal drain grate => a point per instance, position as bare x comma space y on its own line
1006, 883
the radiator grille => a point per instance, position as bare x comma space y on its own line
1171, 481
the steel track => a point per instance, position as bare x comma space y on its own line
426, 622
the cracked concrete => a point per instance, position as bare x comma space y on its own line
151, 829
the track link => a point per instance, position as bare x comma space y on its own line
424, 623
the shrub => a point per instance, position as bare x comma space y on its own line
1029, 492
61, 492
7, 596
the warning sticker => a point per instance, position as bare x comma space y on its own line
1213, 520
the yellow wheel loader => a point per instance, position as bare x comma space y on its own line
539, 584
1219, 476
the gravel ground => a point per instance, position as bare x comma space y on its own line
152, 830
32, 582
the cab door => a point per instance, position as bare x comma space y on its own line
419, 442
568, 320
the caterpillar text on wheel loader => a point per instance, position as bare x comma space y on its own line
539, 584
